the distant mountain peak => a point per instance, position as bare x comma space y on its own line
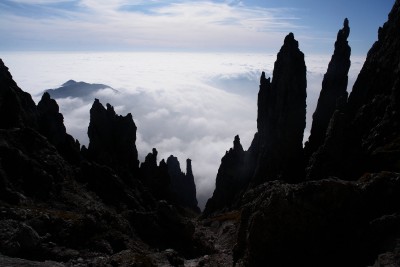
69, 83
72, 88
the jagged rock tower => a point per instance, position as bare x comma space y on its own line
333, 93
182, 187
112, 139
282, 117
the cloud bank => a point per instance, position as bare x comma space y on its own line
190, 105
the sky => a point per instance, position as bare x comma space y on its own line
188, 71
186, 25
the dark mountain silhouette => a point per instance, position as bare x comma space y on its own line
333, 92
183, 188
281, 117
335, 203
230, 179
276, 151
17, 108
113, 139
168, 182
350, 214
72, 88
51, 125
60, 203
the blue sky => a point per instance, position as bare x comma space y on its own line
186, 25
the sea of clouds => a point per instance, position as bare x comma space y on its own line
190, 105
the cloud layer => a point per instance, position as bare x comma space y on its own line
190, 105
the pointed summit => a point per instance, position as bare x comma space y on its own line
282, 117
290, 42
344, 33
333, 90
236, 144
189, 171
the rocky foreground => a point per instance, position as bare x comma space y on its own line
333, 202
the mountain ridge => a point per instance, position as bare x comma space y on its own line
275, 204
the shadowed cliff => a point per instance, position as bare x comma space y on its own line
64, 205
339, 205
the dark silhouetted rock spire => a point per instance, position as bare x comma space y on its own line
112, 139
364, 136
230, 179
282, 117
51, 125
333, 91
263, 103
183, 188
191, 187
276, 151
156, 178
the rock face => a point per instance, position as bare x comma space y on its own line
333, 91
348, 214
89, 209
51, 125
105, 211
363, 135
112, 139
276, 152
230, 179
334, 221
374, 106
156, 177
190, 192
319, 223
282, 117
183, 188
17, 108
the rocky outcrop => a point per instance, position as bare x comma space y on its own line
46, 213
333, 91
364, 135
276, 152
183, 188
156, 177
51, 125
17, 108
29, 166
167, 182
90, 213
334, 221
112, 140
105, 211
373, 141
230, 181
281, 117
319, 223
190, 192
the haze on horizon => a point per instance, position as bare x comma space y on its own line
192, 100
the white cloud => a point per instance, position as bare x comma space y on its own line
194, 25
182, 103
40, 2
